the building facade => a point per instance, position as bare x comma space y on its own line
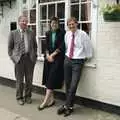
100, 78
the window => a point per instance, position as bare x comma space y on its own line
46, 12
86, 13
47, 9
81, 9
84, 10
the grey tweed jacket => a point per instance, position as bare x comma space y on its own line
14, 45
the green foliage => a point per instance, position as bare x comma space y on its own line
111, 12
111, 9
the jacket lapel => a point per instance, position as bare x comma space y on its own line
18, 35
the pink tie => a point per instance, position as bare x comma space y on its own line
72, 46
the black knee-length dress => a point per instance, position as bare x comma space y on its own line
53, 73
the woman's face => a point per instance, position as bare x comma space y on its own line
54, 25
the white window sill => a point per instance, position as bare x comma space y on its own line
90, 65
40, 58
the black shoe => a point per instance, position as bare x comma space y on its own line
68, 112
61, 110
20, 102
28, 100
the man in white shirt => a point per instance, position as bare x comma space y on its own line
78, 49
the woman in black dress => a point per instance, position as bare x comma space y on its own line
53, 72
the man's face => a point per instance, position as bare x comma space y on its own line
72, 25
23, 22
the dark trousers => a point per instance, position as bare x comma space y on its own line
24, 69
72, 73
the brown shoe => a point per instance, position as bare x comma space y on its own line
20, 102
28, 100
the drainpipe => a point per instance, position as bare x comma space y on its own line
117, 1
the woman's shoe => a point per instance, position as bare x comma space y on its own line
41, 107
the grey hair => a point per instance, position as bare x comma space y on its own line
21, 16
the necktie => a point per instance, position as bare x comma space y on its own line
72, 46
22, 43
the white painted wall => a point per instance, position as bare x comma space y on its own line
10, 15
100, 83
103, 83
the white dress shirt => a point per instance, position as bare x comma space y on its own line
82, 45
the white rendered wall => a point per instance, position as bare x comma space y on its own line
9, 15
103, 83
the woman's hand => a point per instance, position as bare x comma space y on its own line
50, 58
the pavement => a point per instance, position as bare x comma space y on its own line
10, 110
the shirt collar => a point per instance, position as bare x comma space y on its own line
74, 32
22, 30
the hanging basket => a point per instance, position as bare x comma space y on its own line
112, 17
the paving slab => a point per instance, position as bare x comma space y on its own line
8, 115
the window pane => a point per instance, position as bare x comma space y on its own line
86, 0
75, 11
74, 1
43, 1
32, 3
32, 16
43, 28
86, 12
33, 28
62, 24
85, 26
51, 10
42, 43
43, 12
61, 13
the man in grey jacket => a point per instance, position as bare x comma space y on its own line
22, 49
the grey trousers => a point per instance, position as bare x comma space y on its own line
24, 69
72, 73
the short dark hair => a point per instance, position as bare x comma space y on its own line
54, 19
72, 19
